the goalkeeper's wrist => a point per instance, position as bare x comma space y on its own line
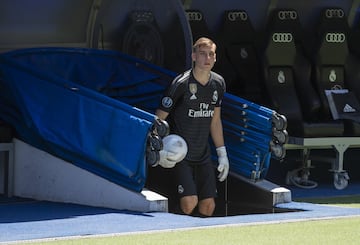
221, 151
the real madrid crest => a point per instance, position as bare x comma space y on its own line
193, 90
281, 77
215, 96
332, 76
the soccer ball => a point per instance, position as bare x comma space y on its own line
174, 150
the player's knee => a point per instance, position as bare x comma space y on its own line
187, 209
207, 207
188, 204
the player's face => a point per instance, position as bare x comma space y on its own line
205, 57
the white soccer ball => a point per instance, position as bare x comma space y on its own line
174, 150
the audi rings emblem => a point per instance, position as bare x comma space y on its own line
335, 37
238, 15
287, 15
142, 16
194, 16
282, 37
334, 13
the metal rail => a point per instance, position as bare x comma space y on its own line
339, 144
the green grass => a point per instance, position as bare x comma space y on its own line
337, 231
332, 231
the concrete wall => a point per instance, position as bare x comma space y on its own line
41, 176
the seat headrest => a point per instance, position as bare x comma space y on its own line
281, 49
333, 32
334, 20
237, 26
286, 20
283, 30
197, 23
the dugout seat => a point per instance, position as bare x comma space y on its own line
175, 39
287, 77
238, 59
354, 49
142, 37
177, 57
198, 24
335, 67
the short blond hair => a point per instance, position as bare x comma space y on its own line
203, 41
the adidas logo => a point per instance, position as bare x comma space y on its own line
348, 108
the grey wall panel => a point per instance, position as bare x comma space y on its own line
30, 23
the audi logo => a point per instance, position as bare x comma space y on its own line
238, 15
194, 16
334, 13
282, 37
335, 37
287, 15
142, 16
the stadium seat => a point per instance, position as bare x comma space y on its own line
176, 55
142, 37
354, 48
287, 77
198, 24
335, 67
237, 54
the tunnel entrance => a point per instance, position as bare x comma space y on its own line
242, 208
235, 197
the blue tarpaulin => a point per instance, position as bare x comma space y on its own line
56, 114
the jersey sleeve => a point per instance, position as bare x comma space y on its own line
222, 90
172, 94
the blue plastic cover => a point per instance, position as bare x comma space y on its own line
52, 112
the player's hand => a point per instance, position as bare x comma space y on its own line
223, 160
165, 159
174, 151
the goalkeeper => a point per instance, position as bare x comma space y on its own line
192, 107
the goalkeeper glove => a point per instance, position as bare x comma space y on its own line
223, 160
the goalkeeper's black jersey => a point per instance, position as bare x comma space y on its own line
191, 108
